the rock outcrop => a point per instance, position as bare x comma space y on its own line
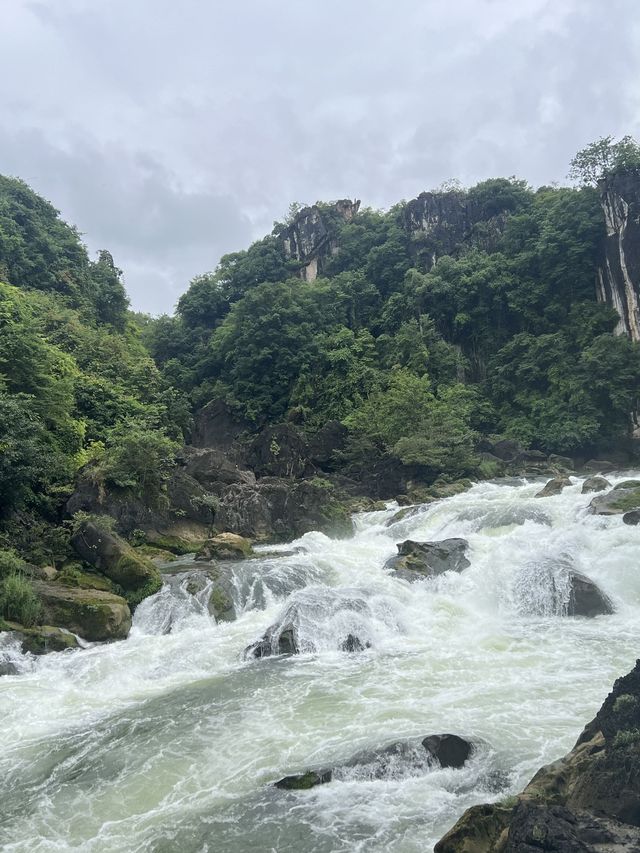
91, 613
115, 559
419, 560
217, 425
619, 271
225, 546
310, 239
587, 802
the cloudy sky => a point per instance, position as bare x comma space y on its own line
173, 132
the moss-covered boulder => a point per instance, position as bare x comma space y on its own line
43, 638
554, 487
615, 502
304, 781
116, 559
595, 484
91, 613
225, 546
419, 560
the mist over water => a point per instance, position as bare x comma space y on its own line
168, 741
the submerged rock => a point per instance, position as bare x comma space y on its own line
353, 644
448, 750
275, 641
225, 546
595, 484
304, 781
554, 487
417, 560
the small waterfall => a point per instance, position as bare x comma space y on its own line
13, 661
182, 597
542, 587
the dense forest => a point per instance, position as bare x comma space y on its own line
420, 341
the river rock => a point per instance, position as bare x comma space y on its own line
115, 559
90, 613
448, 750
221, 599
353, 644
615, 502
586, 802
595, 484
7, 668
554, 487
599, 466
587, 599
275, 641
43, 639
417, 560
304, 781
404, 513
627, 484
632, 517
225, 546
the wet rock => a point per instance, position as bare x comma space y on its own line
418, 560
544, 827
632, 517
477, 831
274, 642
587, 599
90, 613
7, 668
448, 750
403, 500
304, 781
115, 559
220, 581
45, 638
595, 484
554, 487
627, 484
404, 513
615, 502
353, 644
225, 546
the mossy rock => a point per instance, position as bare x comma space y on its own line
43, 639
304, 781
155, 552
479, 830
72, 576
225, 546
616, 502
91, 613
176, 544
627, 484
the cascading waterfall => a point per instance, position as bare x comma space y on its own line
169, 741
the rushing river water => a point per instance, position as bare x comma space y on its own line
168, 742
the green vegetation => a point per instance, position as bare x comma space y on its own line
18, 601
419, 341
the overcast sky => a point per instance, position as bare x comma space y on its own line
173, 131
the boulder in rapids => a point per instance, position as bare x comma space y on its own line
274, 642
304, 781
587, 599
7, 668
404, 513
221, 600
554, 487
632, 517
448, 750
91, 613
417, 560
615, 502
42, 639
595, 484
353, 644
116, 559
627, 484
225, 546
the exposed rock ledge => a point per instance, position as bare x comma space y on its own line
587, 802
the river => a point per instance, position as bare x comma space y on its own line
169, 742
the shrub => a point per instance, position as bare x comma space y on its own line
10, 563
18, 601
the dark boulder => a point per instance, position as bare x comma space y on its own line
324, 445
448, 750
632, 517
213, 470
276, 641
418, 560
7, 668
599, 466
587, 599
595, 484
552, 828
304, 781
554, 487
353, 644
217, 425
279, 451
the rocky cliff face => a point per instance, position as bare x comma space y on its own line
619, 272
309, 240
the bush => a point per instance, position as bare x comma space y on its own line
10, 563
18, 601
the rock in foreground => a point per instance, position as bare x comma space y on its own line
554, 487
91, 613
587, 802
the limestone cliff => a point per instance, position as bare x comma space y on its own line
309, 238
619, 272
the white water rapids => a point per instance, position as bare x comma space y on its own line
169, 742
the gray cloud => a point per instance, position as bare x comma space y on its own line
172, 133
